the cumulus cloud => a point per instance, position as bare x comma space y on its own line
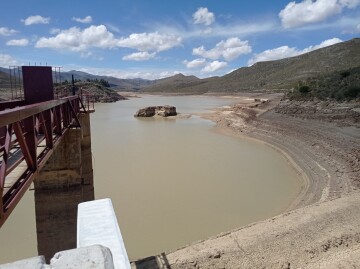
90, 55
349, 3
214, 66
75, 39
150, 41
81, 40
323, 44
310, 11
6, 60
152, 73
230, 49
139, 56
37, 19
195, 63
4, 31
18, 42
54, 31
286, 51
203, 16
87, 19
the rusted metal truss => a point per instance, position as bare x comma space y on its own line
28, 136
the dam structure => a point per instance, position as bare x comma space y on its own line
45, 144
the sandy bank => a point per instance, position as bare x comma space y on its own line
323, 231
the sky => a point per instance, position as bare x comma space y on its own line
153, 39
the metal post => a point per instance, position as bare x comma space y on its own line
11, 87
73, 85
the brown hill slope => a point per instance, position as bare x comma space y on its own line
279, 74
173, 84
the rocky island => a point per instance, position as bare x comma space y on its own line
150, 111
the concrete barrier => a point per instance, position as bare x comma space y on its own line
97, 224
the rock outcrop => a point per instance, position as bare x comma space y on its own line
345, 113
150, 111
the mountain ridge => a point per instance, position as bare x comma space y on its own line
277, 74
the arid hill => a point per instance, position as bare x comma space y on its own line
279, 74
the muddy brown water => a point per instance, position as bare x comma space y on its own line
171, 181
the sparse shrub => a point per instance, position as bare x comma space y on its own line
344, 74
304, 89
352, 92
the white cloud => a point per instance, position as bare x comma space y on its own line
311, 11
350, 3
286, 51
81, 40
87, 19
18, 42
139, 56
203, 16
195, 63
36, 20
152, 73
54, 31
323, 44
274, 54
6, 31
7, 60
75, 39
230, 49
90, 55
150, 41
214, 66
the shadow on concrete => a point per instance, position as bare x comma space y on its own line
152, 262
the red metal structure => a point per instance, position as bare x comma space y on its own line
28, 136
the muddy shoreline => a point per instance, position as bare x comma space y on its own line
327, 156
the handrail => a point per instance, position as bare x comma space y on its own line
22, 129
20, 113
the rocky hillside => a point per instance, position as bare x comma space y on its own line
99, 92
279, 74
342, 86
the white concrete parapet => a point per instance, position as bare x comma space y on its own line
97, 225
95, 256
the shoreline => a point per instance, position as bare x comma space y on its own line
253, 117
326, 156
303, 179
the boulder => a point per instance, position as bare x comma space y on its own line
150, 111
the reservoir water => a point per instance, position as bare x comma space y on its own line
171, 181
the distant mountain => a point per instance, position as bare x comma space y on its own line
173, 83
115, 83
279, 74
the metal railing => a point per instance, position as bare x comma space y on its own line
28, 136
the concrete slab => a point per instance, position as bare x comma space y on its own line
93, 257
97, 224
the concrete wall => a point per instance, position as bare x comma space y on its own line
95, 256
64, 182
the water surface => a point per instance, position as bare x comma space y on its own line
173, 182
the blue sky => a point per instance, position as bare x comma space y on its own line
154, 39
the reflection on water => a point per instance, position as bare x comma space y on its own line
171, 181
